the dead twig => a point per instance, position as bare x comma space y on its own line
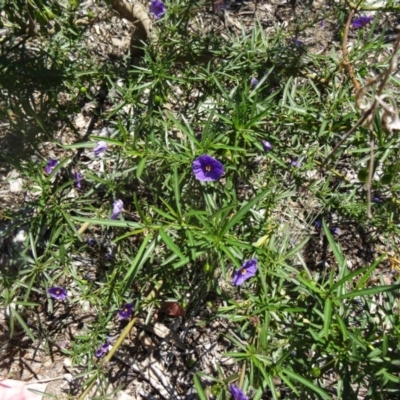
346, 61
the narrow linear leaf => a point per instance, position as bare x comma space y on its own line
308, 284
142, 255
335, 248
369, 291
242, 212
307, 383
109, 222
177, 192
199, 388
164, 214
24, 326
170, 244
347, 278
327, 316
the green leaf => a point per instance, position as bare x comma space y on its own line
347, 278
199, 388
371, 269
164, 214
343, 327
140, 167
327, 316
109, 222
296, 249
306, 382
228, 252
170, 244
312, 285
177, 192
24, 326
186, 260
191, 243
335, 248
369, 291
142, 255
391, 377
241, 213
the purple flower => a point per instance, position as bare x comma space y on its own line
103, 349
322, 23
206, 168
100, 148
266, 145
298, 42
91, 242
377, 199
78, 179
295, 162
253, 82
249, 269
126, 311
335, 230
117, 209
51, 164
57, 293
361, 22
237, 393
318, 224
108, 255
157, 8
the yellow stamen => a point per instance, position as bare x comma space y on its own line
208, 168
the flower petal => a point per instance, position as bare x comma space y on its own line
206, 168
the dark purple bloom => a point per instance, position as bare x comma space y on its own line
318, 224
108, 255
322, 23
57, 293
377, 199
103, 349
91, 242
266, 145
249, 269
78, 179
295, 162
117, 209
126, 311
253, 82
51, 164
298, 42
237, 393
206, 168
157, 8
90, 276
335, 230
100, 148
361, 21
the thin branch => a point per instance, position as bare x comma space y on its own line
345, 53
